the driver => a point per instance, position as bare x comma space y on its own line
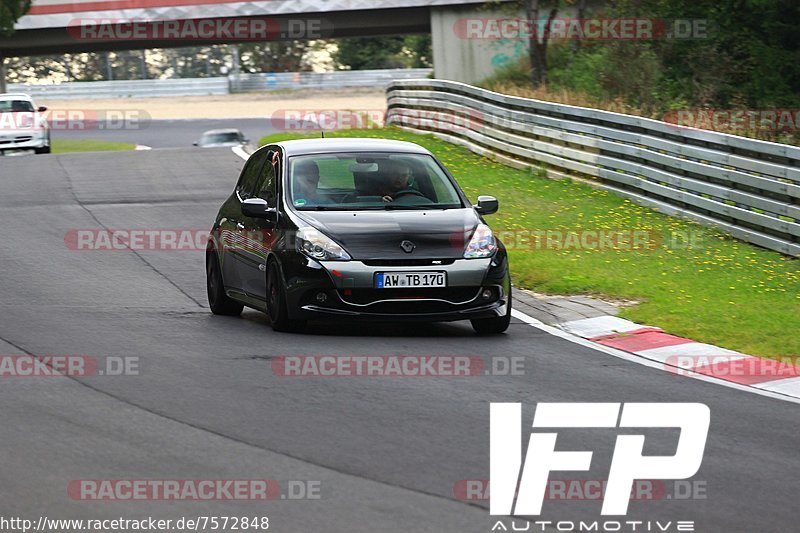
396, 176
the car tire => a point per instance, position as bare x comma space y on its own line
276, 303
44, 149
494, 326
219, 302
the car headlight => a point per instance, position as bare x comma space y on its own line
319, 246
482, 243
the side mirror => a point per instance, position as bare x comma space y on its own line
245, 141
487, 205
258, 208
42, 109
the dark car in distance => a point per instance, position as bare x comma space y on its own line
363, 229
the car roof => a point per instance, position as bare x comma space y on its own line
15, 96
318, 146
224, 130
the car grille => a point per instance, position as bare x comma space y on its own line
18, 139
408, 262
452, 295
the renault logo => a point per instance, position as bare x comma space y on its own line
407, 246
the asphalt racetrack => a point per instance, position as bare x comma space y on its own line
384, 453
176, 133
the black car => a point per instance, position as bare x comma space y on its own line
356, 229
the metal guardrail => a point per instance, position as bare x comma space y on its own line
746, 187
322, 80
220, 85
126, 88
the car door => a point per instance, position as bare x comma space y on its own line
261, 233
232, 225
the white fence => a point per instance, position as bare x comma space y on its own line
219, 86
749, 188
323, 80
125, 89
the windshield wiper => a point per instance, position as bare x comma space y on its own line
336, 208
395, 207
386, 207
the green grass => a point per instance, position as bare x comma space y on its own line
720, 290
62, 146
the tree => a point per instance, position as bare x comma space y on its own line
539, 15
361, 53
746, 53
274, 56
538, 43
419, 49
10, 12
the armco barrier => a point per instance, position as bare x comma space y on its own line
126, 88
322, 80
218, 86
746, 187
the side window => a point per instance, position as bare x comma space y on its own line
250, 174
267, 186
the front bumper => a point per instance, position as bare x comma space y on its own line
346, 289
22, 140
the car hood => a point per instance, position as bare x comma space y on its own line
436, 234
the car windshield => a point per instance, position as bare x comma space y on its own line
363, 181
214, 138
16, 106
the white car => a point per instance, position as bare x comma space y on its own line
23, 126
222, 138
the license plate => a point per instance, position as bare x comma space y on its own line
409, 280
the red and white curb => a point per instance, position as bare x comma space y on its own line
651, 346
679, 354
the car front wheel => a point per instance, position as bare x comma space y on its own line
494, 326
276, 302
217, 299
44, 149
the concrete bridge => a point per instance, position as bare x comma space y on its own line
61, 26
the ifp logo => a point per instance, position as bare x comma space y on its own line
627, 463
